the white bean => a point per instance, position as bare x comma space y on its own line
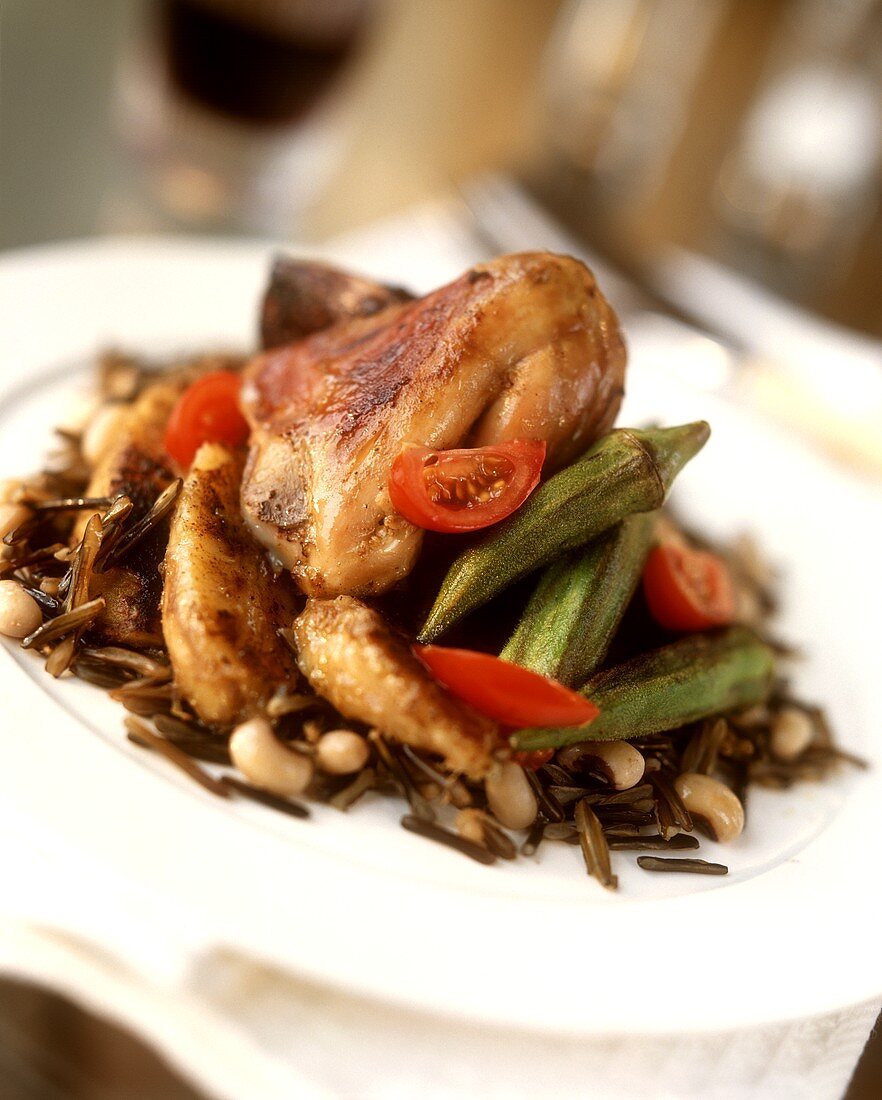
342, 752
620, 762
510, 796
97, 437
792, 733
12, 516
264, 761
713, 802
19, 612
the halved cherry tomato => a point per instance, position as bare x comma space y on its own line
687, 589
207, 412
466, 489
511, 695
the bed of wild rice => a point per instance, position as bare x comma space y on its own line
577, 803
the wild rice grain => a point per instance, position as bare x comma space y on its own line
680, 842
350, 794
265, 798
71, 504
595, 849
449, 839
398, 772
60, 658
690, 866
142, 735
671, 815
534, 838
549, 806
64, 624
161, 508
633, 797
480, 828
139, 663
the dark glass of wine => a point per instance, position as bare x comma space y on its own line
263, 62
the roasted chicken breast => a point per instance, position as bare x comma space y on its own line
522, 347
352, 658
221, 603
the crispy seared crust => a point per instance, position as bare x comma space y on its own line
221, 604
305, 297
351, 657
523, 347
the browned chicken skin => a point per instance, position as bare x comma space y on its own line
522, 347
221, 604
352, 658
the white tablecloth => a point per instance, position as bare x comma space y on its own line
239, 1031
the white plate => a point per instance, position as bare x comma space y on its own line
353, 899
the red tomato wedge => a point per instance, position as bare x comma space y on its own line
207, 412
466, 489
687, 589
511, 695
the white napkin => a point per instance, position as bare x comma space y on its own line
239, 1030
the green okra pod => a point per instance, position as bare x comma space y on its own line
627, 471
692, 678
579, 602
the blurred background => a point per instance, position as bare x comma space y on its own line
746, 131
721, 159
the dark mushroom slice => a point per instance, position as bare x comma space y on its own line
304, 296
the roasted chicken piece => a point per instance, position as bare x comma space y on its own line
222, 604
522, 347
133, 460
304, 297
352, 658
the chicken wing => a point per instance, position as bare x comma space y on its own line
522, 347
221, 604
352, 658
